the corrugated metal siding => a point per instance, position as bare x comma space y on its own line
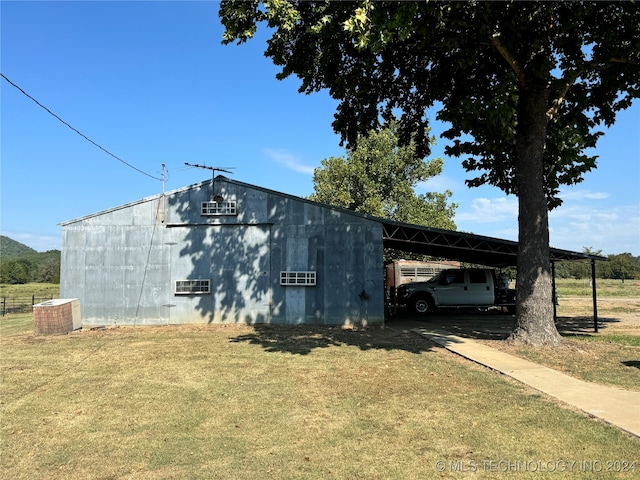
123, 263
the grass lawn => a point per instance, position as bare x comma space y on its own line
611, 356
30, 289
235, 402
604, 288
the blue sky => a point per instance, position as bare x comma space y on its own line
152, 83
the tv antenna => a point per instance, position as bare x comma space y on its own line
217, 198
213, 169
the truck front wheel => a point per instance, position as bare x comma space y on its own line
423, 305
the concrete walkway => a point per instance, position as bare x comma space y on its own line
613, 405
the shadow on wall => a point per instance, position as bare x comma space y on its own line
234, 257
332, 259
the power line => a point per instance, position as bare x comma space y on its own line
77, 131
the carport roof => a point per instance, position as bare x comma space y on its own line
461, 246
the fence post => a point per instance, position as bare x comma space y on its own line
4, 303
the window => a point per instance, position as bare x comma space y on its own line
425, 271
452, 276
477, 276
298, 278
218, 208
193, 287
417, 271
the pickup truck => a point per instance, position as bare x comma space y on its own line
473, 287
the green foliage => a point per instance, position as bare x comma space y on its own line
621, 266
21, 264
378, 178
15, 271
477, 58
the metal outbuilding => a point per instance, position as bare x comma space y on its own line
223, 251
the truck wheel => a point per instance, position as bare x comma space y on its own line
422, 305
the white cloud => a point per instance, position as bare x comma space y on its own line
288, 161
612, 230
488, 210
439, 184
583, 195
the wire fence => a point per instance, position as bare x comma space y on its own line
21, 304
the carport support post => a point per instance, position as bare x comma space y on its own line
593, 291
554, 297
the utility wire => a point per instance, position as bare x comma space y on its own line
77, 131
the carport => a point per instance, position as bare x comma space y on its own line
478, 249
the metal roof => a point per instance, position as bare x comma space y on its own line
465, 247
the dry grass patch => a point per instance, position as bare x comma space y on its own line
240, 402
605, 288
29, 289
606, 359
610, 357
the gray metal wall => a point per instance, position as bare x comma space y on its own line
123, 263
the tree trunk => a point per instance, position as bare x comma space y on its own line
534, 308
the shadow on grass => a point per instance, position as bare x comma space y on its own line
582, 324
491, 325
632, 363
398, 335
302, 340
466, 323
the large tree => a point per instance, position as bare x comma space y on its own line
378, 177
524, 86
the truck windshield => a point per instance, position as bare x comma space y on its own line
436, 278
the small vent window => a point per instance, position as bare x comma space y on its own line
425, 272
298, 278
417, 271
219, 208
193, 287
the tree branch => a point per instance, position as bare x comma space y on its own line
495, 40
622, 60
570, 80
557, 102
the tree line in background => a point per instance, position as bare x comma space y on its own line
621, 266
39, 267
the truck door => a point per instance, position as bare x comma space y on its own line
480, 287
452, 289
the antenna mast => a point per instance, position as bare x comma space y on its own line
213, 172
163, 197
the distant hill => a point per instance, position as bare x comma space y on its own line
11, 248
22, 264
